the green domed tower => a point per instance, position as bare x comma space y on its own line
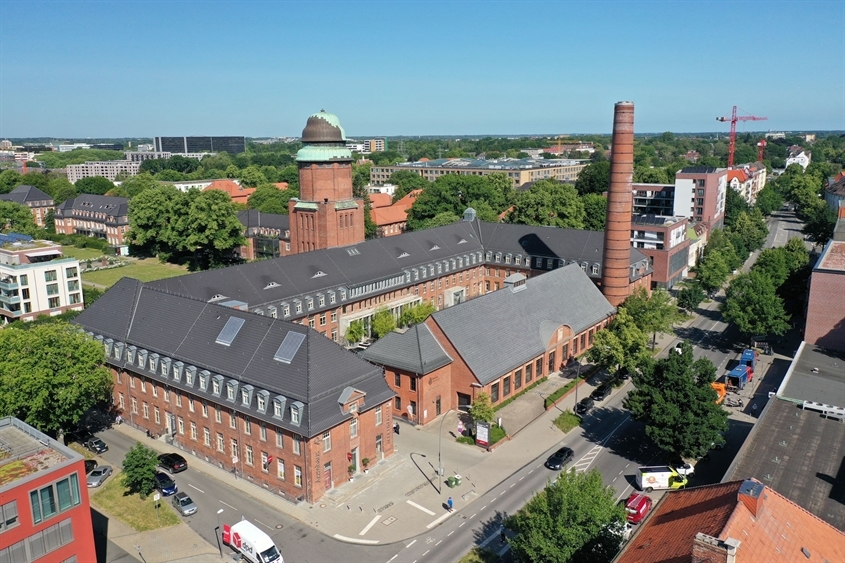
326, 214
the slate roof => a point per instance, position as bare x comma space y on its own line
24, 194
775, 530
111, 206
502, 330
186, 330
416, 350
253, 218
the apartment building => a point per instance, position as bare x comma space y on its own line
267, 235
747, 180
110, 169
44, 509
141, 156
37, 201
664, 240
520, 171
181, 145
35, 279
99, 216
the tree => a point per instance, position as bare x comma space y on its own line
768, 200
153, 225
772, 263
210, 227
94, 185
130, 187
481, 409
549, 202
406, 181
139, 470
572, 520
712, 271
673, 397
595, 211
751, 228
416, 314
734, 205
653, 314
355, 332
383, 322
51, 375
251, 177
9, 180
819, 224
445, 218
690, 296
623, 343
16, 218
360, 178
270, 199
594, 178
752, 303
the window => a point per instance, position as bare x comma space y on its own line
334, 316
220, 445
235, 449
52, 289
311, 323
277, 409
230, 392
157, 415
245, 397
8, 516
397, 380
297, 475
322, 319
397, 403
247, 426
506, 386
261, 403
134, 405
206, 437
215, 387
43, 501
528, 374
294, 415
54, 302
233, 420
539, 366
517, 379
72, 285
178, 399
280, 438
205, 408
250, 459
413, 383
218, 415
265, 462
353, 428
143, 385
297, 444
23, 279
280, 469
494, 393
181, 425
71, 272
155, 389
50, 275
191, 404
378, 416
551, 361
146, 411
121, 401
327, 441
193, 430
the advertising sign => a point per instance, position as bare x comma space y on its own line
482, 434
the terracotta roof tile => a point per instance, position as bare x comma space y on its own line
381, 200
389, 215
238, 193
408, 200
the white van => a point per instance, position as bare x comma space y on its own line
253, 544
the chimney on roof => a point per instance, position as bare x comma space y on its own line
751, 495
616, 262
707, 549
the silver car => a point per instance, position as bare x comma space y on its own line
184, 504
98, 475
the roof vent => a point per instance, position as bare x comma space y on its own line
352, 251
750, 493
319, 274
404, 255
271, 285
435, 247
462, 241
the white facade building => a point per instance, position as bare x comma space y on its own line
108, 169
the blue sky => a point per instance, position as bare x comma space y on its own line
260, 68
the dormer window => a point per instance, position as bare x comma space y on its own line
118, 350
296, 413
298, 305
489, 256
178, 368
230, 392
142, 358
343, 295
518, 260
507, 258
310, 303
130, 354
246, 395
154, 362
261, 401
332, 297
216, 385
285, 310
322, 300
190, 374
279, 407
204, 375
165, 367
108, 345
353, 407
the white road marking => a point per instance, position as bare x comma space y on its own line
370, 525
512, 484
473, 516
263, 524
392, 558
450, 533
483, 507
356, 540
410, 544
461, 525
438, 543
426, 552
532, 471
494, 498
195, 488
229, 505
438, 520
424, 509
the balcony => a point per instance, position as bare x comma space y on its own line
8, 284
10, 299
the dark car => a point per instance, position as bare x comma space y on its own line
89, 465
173, 463
560, 458
96, 445
165, 485
601, 392
584, 406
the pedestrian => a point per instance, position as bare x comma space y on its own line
503, 537
449, 503
119, 420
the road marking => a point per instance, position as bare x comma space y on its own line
410, 544
450, 533
461, 525
229, 505
473, 516
355, 540
521, 478
263, 524
392, 558
424, 509
438, 520
370, 525
198, 489
532, 471
512, 484
438, 543
426, 552
494, 498
482, 508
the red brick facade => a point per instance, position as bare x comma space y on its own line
826, 310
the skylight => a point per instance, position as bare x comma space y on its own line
352, 251
230, 331
289, 347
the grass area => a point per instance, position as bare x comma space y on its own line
130, 509
146, 270
82, 254
567, 421
496, 434
81, 450
550, 400
480, 555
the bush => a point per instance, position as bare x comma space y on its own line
550, 400
466, 440
496, 433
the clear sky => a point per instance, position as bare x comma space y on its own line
260, 68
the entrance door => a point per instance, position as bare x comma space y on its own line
327, 476
354, 461
464, 401
170, 423
437, 406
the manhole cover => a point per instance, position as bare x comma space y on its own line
279, 526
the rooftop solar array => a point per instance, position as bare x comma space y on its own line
14, 237
230, 331
289, 347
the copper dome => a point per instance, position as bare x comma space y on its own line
323, 127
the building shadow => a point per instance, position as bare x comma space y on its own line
100, 523
837, 491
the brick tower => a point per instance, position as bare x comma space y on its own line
326, 214
616, 266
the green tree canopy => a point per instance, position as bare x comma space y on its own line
734, 205
139, 470
383, 322
673, 397
406, 181
820, 222
130, 187
752, 303
594, 179
355, 332
481, 409
751, 228
94, 185
416, 314
270, 199
652, 313
152, 220
51, 375
572, 520
769, 200
211, 226
690, 296
595, 211
16, 218
623, 343
9, 180
549, 202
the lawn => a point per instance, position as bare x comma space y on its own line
137, 513
480, 555
149, 269
567, 421
81, 254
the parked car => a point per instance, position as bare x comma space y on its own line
89, 465
165, 485
601, 392
98, 475
96, 445
560, 458
584, 406
183, 504
173, 463
637, 507
685, 469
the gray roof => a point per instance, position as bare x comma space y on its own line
186, 330
116, 207
502, 330
416, 350
24, 194
253, 218
799, 452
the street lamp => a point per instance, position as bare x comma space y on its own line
216, 534
577, 375
440, 452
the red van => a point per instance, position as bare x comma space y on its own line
637, 507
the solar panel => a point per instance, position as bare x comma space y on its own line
230, 331
289, 346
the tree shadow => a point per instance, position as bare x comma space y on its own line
633, 445
492, 527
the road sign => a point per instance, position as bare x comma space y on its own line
156, 497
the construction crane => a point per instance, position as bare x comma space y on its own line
761, 149
733, 119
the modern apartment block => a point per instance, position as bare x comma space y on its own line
100, 216
698, 194
44, 510
664, 240
520, 171
35, 279
38, 202
107, 169
141, 156
182, 145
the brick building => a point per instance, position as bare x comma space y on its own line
826, 302
44, 510
664, 240
92, 215
446, 361
267, 235
37, 201
275, 401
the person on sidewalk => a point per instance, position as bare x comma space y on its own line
450, 504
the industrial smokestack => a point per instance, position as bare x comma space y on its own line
616, 262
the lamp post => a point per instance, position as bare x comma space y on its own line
577, 375
440, 452
216, 534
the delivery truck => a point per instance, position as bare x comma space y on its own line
659, 477
253, 544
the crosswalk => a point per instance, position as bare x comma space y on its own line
584, 463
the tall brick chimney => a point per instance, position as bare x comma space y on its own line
616, 263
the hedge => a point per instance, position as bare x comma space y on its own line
523, 392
